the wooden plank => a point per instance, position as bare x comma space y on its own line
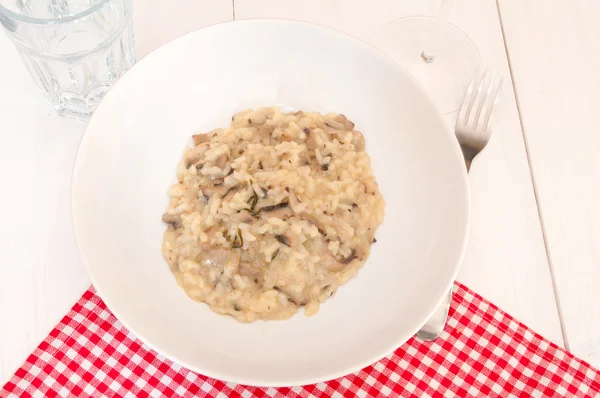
555, 59
42, 275
506, 260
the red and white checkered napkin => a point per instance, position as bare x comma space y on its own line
482, 352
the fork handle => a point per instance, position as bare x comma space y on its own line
469, 154
435, 325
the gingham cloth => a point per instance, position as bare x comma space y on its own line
482, 352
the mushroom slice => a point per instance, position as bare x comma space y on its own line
264, 133
278, 206
312, 141
358, 140
281, 210
335, 125
293, 296
344, 120
212, 231
231, 191
295, 203
214, 256
247, 269
330, 262
172, 219
200, 138
242, 217
349, 259
221, 161
370, 185
206, 137
208, 192
195, 155
288, 238
316, 222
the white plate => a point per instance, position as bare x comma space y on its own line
127, 161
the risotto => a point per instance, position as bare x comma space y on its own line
272, 213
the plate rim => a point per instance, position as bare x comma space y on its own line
300, 381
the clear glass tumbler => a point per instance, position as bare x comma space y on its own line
74, 49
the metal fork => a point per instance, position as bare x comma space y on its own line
473, 132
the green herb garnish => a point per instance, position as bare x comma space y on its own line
253, 200
274, 254
238, 241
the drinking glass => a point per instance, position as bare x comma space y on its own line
74, 49
440, 55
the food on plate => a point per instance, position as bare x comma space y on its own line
272, 213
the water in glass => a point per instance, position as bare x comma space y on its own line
74, 49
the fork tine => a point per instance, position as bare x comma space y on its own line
473, 98
466, 100
495, 97
482, 100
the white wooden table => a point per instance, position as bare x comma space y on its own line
534, 247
